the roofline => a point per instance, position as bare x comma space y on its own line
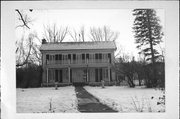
115, 48
81, 49
76, 42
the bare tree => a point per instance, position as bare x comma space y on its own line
78, 36
23, 51
126, 66
103, 34
52, 33
24, 18
26, 46
27, 50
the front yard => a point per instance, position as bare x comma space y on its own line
121, 99
44, 100
125, 99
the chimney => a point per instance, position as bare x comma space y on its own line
44, 41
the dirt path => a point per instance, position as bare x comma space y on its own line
88, 103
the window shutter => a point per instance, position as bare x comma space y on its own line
47, 57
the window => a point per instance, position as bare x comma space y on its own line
50, 57
47, 57
87, 56
109, 57
60, 57
83, 56
56, 57
74, 56
100, 56
96, 56
69, 56
65, 57
106, 73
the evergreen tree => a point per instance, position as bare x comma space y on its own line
148, 34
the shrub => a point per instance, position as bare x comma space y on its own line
30, 76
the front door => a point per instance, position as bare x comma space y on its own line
78, 75
58, 76
98, 74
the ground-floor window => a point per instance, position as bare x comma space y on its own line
55, 75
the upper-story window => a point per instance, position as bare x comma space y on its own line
83, 56
58, 57
87, 56
74, 56
80, 57
109, 57
65, 57
51, 57
69, 56
47, 57
98, 56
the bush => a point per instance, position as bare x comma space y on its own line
30, 76
160, 75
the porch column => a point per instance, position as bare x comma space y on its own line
109, 74
69, 74
87, 74
47, 77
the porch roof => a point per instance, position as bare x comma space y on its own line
78, 46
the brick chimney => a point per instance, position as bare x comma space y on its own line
44, 41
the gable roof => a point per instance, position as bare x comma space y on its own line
78, 45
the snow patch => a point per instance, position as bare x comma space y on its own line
46, 100
125, 99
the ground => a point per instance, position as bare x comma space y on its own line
125, 99
87, 99
43, 100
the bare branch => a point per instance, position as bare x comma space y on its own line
78, 36
55, 34
24, 19
103, 34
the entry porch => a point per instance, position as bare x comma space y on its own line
83, 75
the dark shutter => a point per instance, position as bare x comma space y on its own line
56, 57
74, 56
69, 56
96, 75
109, 57
100, 56
60, 57
100, 73
61, 76
110, 75
47, 57
87, 56
83, 56
96, 56
71, 75
56, 75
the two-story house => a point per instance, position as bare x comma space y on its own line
77, 62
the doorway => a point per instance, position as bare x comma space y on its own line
58, 76
98, 74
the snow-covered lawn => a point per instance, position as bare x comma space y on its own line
125, 99
42, 100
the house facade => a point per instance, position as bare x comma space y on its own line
77, 62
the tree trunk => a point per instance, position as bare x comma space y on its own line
154, 82
130, 81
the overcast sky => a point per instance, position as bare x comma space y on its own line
119, 20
